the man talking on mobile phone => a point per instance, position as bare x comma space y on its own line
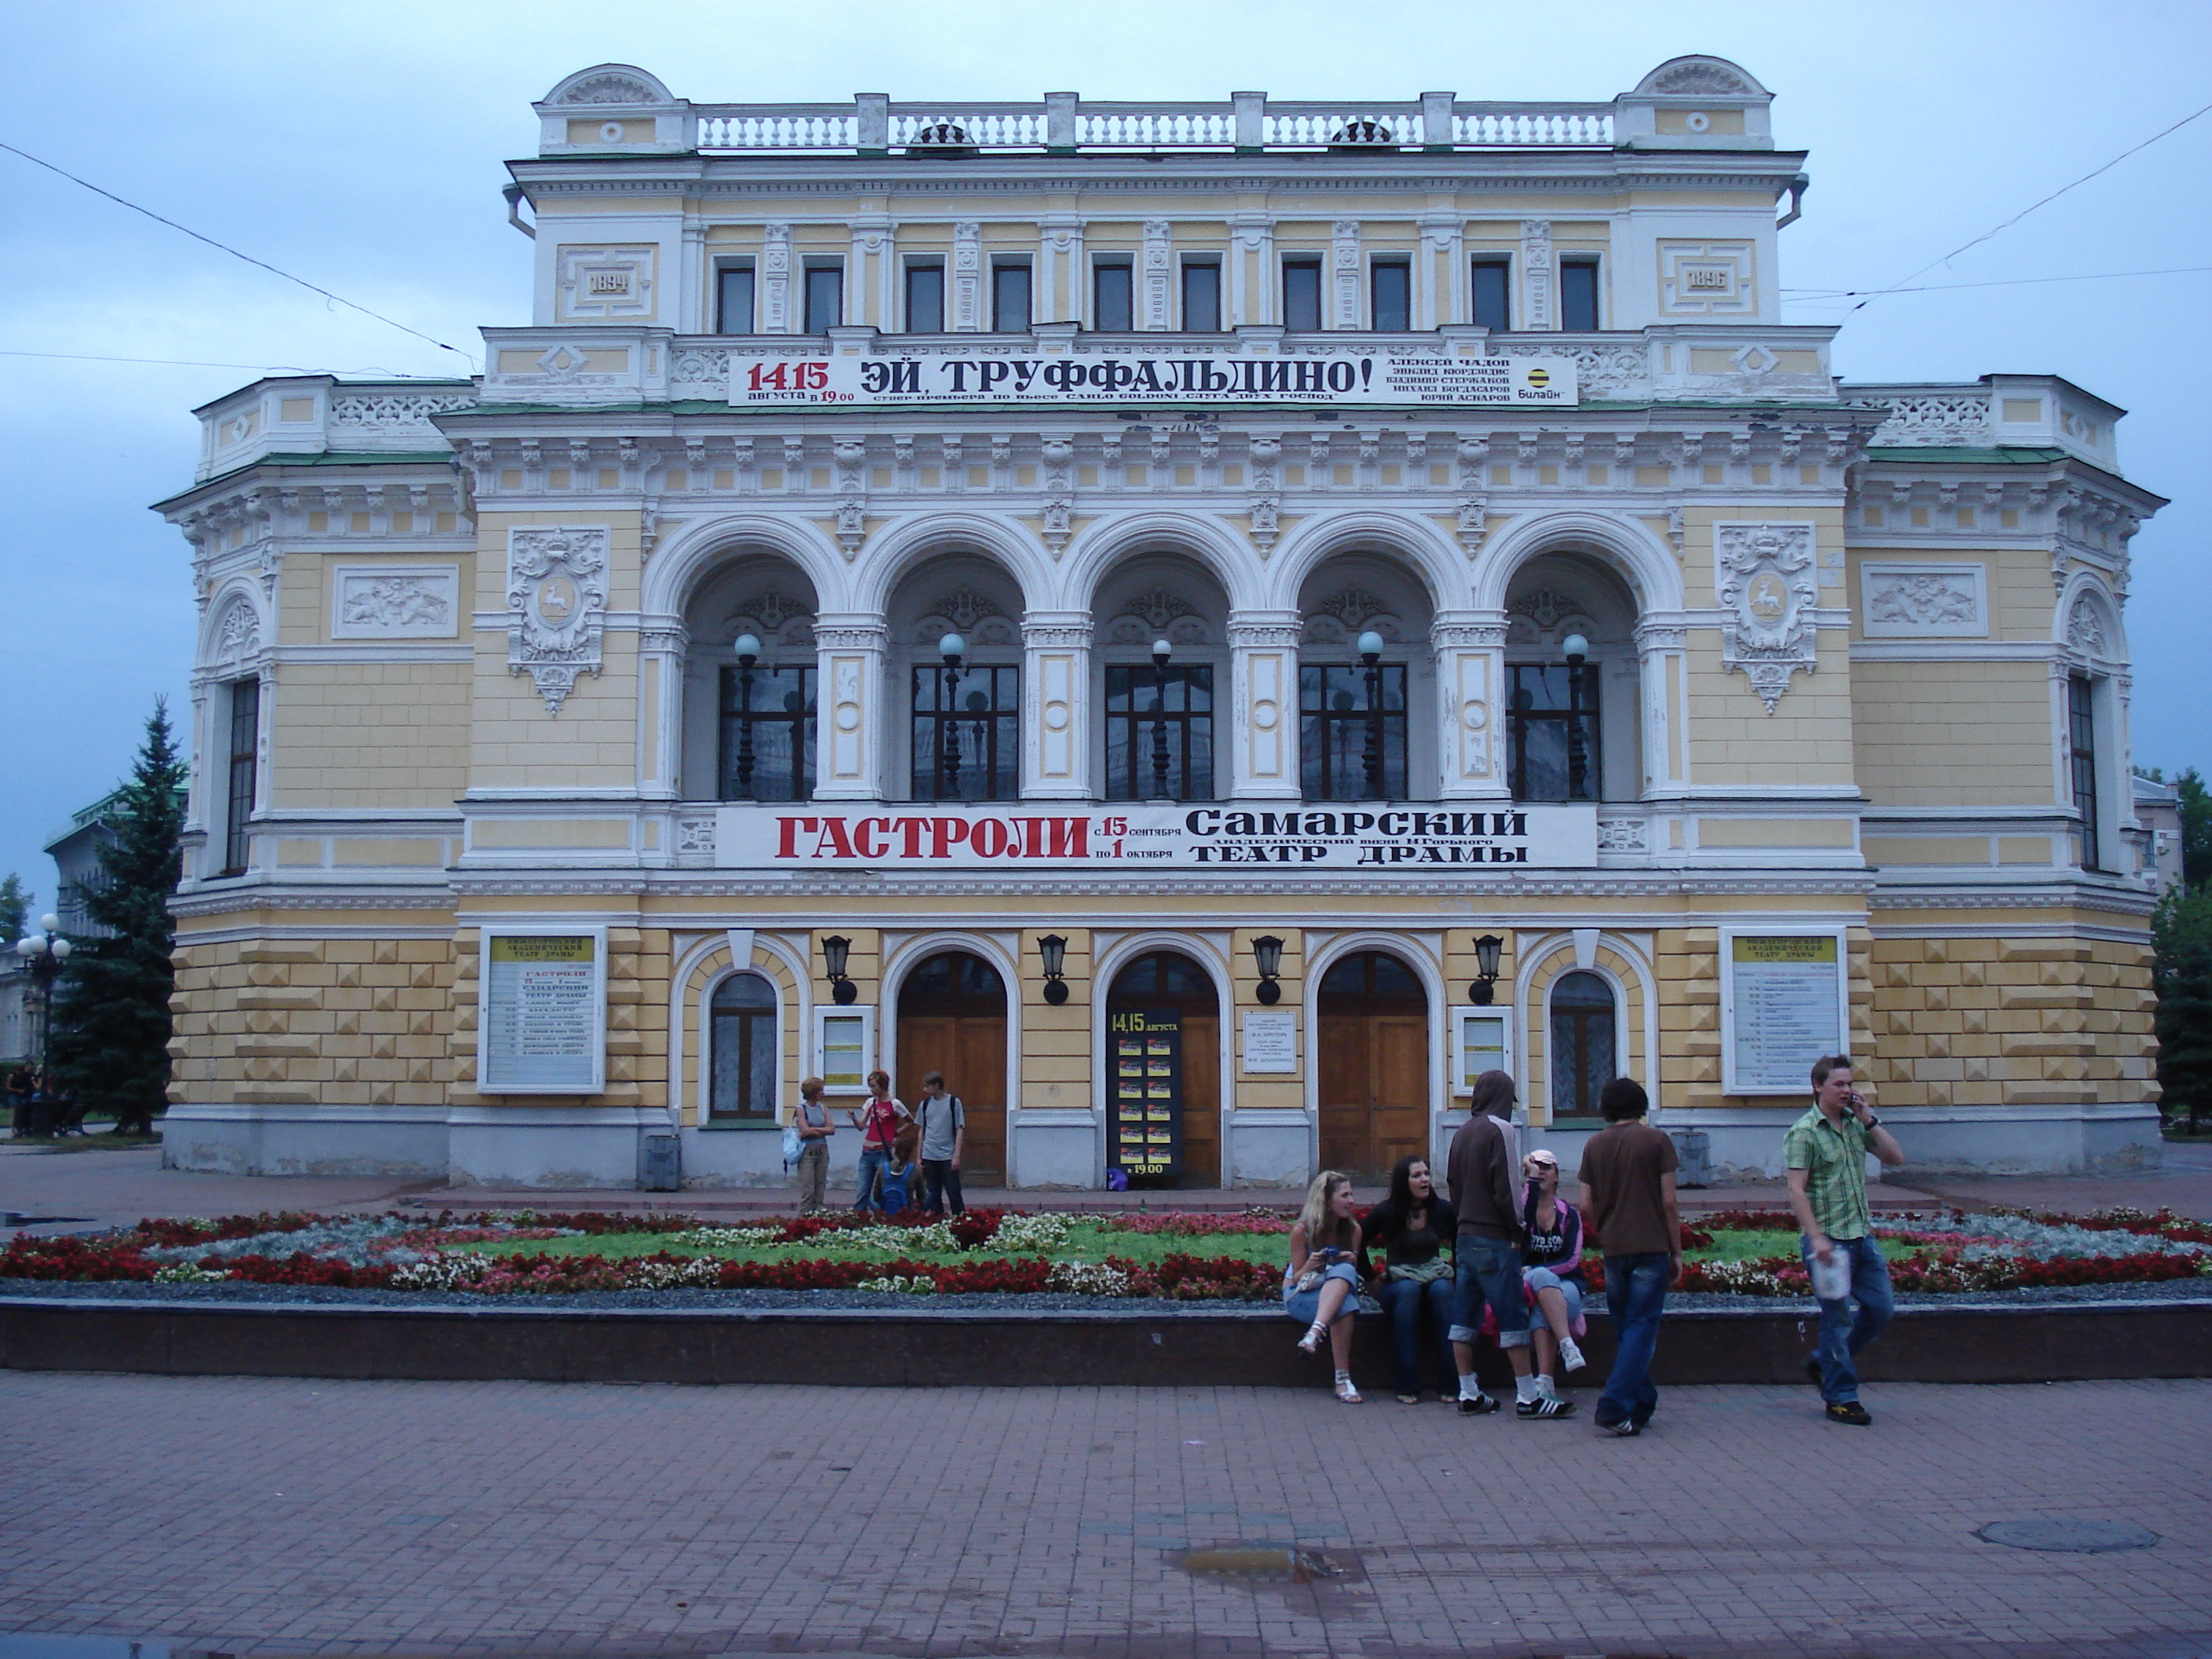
1826, 1155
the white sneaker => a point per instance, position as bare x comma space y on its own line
1571, 1357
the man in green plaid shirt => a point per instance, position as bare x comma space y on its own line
1825, 1156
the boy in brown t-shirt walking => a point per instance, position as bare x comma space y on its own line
1628, 1197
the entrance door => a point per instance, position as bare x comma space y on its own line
1165, 981
1374, 1038
952, 1019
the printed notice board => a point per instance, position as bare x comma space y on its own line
544, 1014
1145, 1137
1782, 1007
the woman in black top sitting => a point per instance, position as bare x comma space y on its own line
1415, 1228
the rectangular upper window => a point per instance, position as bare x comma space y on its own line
244, 752
1009, 297
1490, 285
825, 298
2081, 745
1391, 299
1113, 297
1201, 297
733, 300
1578, 296
925, 297
1301, 295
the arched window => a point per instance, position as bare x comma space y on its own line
1582, 1061
742, 1051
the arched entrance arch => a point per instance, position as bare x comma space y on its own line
1166, 1078
1372, 1018
952, 1019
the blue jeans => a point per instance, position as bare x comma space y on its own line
1489, 1271
1843, 1334
1305, 1306
1405, 1301
1635, 1293
874, 1160
941, 1182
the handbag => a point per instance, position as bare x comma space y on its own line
1423, 1272
792, 1146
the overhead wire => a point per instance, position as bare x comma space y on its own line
225, 247
194, 362
1818, 295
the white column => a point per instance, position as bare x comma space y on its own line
1538, 310
691, 296
1060, 284
1056, 715
660, 647
1470, 658
1347, 286
1263, 671
966, 300
1156, 300
1660, 658
851, 719
775, 282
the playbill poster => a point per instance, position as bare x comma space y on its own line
543, 1008
1785, 998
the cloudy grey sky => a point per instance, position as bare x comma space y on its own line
359, 146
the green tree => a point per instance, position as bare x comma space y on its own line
111, 1022
2181, 935
14, 910
2196, 828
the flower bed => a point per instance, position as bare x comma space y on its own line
1003, 1252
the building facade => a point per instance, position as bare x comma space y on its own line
1210, 624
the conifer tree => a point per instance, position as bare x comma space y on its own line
2181, 933
112, 1023
14, 910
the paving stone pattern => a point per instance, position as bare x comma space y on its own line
293, 1517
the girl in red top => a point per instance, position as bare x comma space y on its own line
878, 1123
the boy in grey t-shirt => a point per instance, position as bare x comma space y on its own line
943, 1131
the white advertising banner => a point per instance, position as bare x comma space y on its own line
1121, 376
544, 1007
1369, 837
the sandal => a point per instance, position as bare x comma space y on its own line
1310, 1342
1348, 1393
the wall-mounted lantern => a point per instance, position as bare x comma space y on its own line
1486, 961
1268, 956
1054, 951
834, 950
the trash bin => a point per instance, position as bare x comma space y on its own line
660, 1164
1693, 1151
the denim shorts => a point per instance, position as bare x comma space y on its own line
1544, 1279
1489, 1270
1305, 1306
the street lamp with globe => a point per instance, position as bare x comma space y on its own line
44, 954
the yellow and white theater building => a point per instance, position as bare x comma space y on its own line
1209, 623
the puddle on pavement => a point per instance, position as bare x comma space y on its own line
1266, 1564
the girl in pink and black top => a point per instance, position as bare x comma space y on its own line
878, 1123
1551, 1268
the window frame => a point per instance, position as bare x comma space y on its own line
839, 1013
1356, 719
1305, 262
1182, 724
772, 1017
1187, 268
2084, 785
805, 737
1005, 265
1553, 1070
816, 266
241, 706
1579, 263
1591, 712
724, 270
932, 266
1503, 264
1005, 723
1127, 269
1402, 265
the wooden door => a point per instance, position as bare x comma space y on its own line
1373, 1036
952, 1019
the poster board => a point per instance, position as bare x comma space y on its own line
1270, 1047
1784, 1003
1482, 1041
543, 1028
1144, 1064
844, 1047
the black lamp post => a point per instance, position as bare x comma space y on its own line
1370, 659
1052, 949
1268, 956
834, 950
43, 955
748, 649
952, 648
1485, 962
1161, 653
1577, 650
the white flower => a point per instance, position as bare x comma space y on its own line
1087, 1278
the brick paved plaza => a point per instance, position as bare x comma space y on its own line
296, 1517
